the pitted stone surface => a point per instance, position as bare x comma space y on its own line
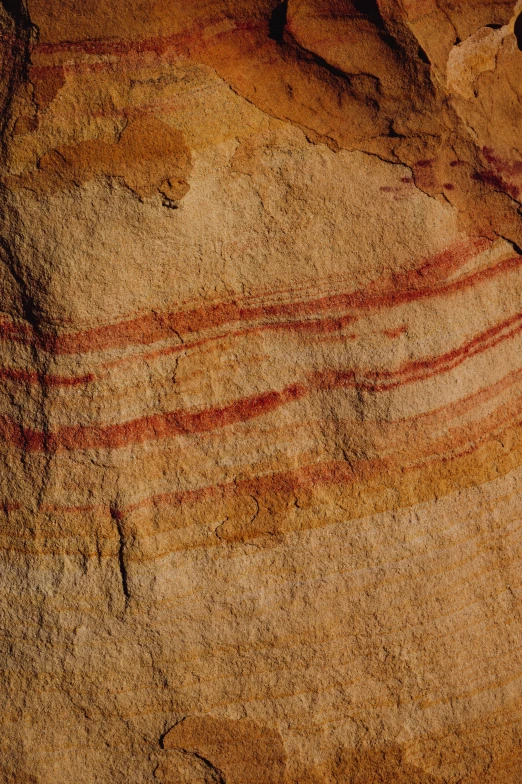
261, 384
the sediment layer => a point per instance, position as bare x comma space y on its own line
260, 412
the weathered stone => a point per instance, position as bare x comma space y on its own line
260, 427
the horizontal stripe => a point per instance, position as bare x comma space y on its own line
175, 423
197, 32
45, 379
387, 292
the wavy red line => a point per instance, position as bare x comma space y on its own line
147, 428
171, 424
422, 369
278, 479
43, 380
383, 293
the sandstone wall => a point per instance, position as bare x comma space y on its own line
261, 392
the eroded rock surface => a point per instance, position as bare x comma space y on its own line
261, 362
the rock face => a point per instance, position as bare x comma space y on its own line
261, 410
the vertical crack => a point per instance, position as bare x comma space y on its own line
117, 516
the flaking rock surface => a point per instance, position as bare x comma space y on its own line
261, 392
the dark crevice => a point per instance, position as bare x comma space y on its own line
218, 776
117, 517
370, 10
514, 245
277, 23
17, 10
518, 31
495, 26
423, 56
324, 64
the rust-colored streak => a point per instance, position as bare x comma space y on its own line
43, 379
497, 183
176, 423
178, 42
153, 327
473, 454
395, 333
423, 369
147, 428
390, 291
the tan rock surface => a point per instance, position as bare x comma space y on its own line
261, 364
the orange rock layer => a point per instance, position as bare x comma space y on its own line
261, 392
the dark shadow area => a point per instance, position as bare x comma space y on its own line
518, 31
369, 9
423, 56
277, 23
17, 10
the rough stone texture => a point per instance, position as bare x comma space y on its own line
261, 421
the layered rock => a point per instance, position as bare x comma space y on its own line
261, 373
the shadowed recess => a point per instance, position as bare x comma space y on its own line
17, 10
518, 31
277, 23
